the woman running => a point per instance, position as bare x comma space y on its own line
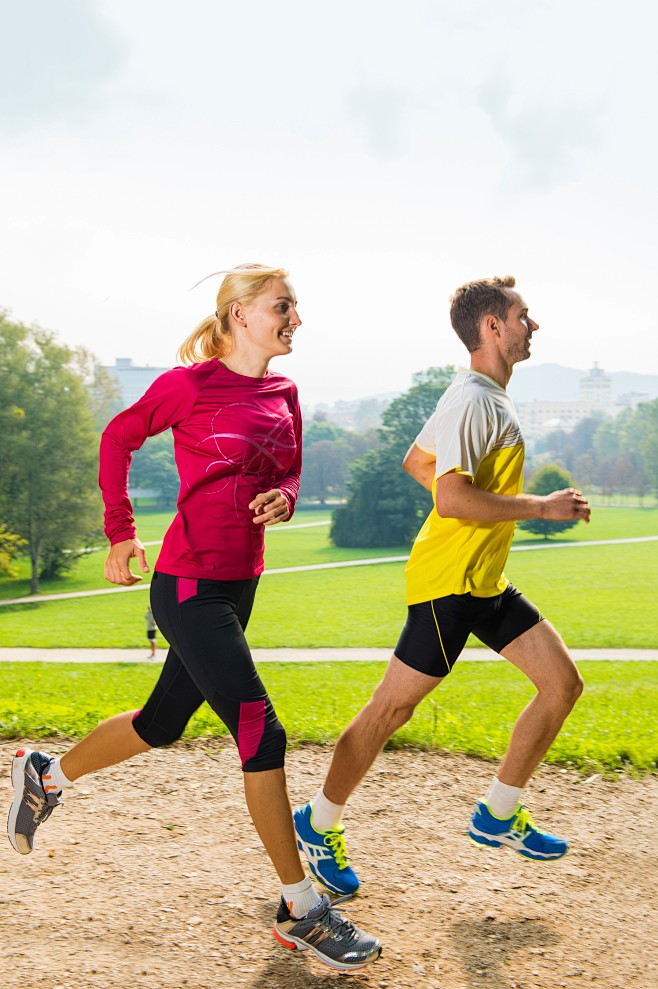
237, 435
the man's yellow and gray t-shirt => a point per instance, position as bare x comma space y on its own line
474, 431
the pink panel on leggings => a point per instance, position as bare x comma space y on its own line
135, 713
186, 587
250, 728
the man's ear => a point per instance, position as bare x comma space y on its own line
490, 325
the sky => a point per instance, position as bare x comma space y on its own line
383, 152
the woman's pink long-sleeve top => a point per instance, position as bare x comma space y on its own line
234, 437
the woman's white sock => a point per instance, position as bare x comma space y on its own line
55, 777
300, 897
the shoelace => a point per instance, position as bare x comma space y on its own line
523, 822
336, 841
336, 923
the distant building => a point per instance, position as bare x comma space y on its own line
132, 379
539, 418
595, 389
631, 399
594, 398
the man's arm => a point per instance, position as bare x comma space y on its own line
421, 465
457, 497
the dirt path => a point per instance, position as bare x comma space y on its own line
150, 878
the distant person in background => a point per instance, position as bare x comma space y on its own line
151, 631
470, 455
238, 440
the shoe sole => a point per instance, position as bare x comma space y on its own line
507, 843
296, 944
18, 782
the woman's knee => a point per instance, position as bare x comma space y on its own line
258, 733
154, 735
270, 752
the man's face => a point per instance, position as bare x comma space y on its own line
516, 330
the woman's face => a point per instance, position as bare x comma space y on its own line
271, 319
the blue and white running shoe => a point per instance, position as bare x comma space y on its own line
518, 832
326, 853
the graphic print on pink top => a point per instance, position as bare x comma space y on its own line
264, 451
234, 437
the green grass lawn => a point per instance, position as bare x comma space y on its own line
606, 523
287, 546
472, 712
599, 596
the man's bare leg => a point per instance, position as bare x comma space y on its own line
319, 832
541, 654
390, 707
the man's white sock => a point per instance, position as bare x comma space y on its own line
300, 897
54, 777
502, 799
326, 816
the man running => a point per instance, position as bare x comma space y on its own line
470, 455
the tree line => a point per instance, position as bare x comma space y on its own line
612, 455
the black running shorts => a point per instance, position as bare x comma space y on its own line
436, 631
204, 623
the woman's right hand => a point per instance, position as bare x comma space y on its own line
117, 564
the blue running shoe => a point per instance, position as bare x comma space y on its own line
518, 832
326, 853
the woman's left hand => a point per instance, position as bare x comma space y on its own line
270, 507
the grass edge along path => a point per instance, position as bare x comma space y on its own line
472, 712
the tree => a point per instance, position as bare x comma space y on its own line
547, 479
154, 466
647, 428
10, 547
326, 464
386, 506
606, 440
319, 428
328, 452
104, 392
48, 448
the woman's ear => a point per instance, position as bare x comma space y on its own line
237, 313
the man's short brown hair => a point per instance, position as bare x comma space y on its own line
471, 302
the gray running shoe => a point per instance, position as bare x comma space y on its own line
34, 798
330, 937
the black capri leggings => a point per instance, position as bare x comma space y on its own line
209, 659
